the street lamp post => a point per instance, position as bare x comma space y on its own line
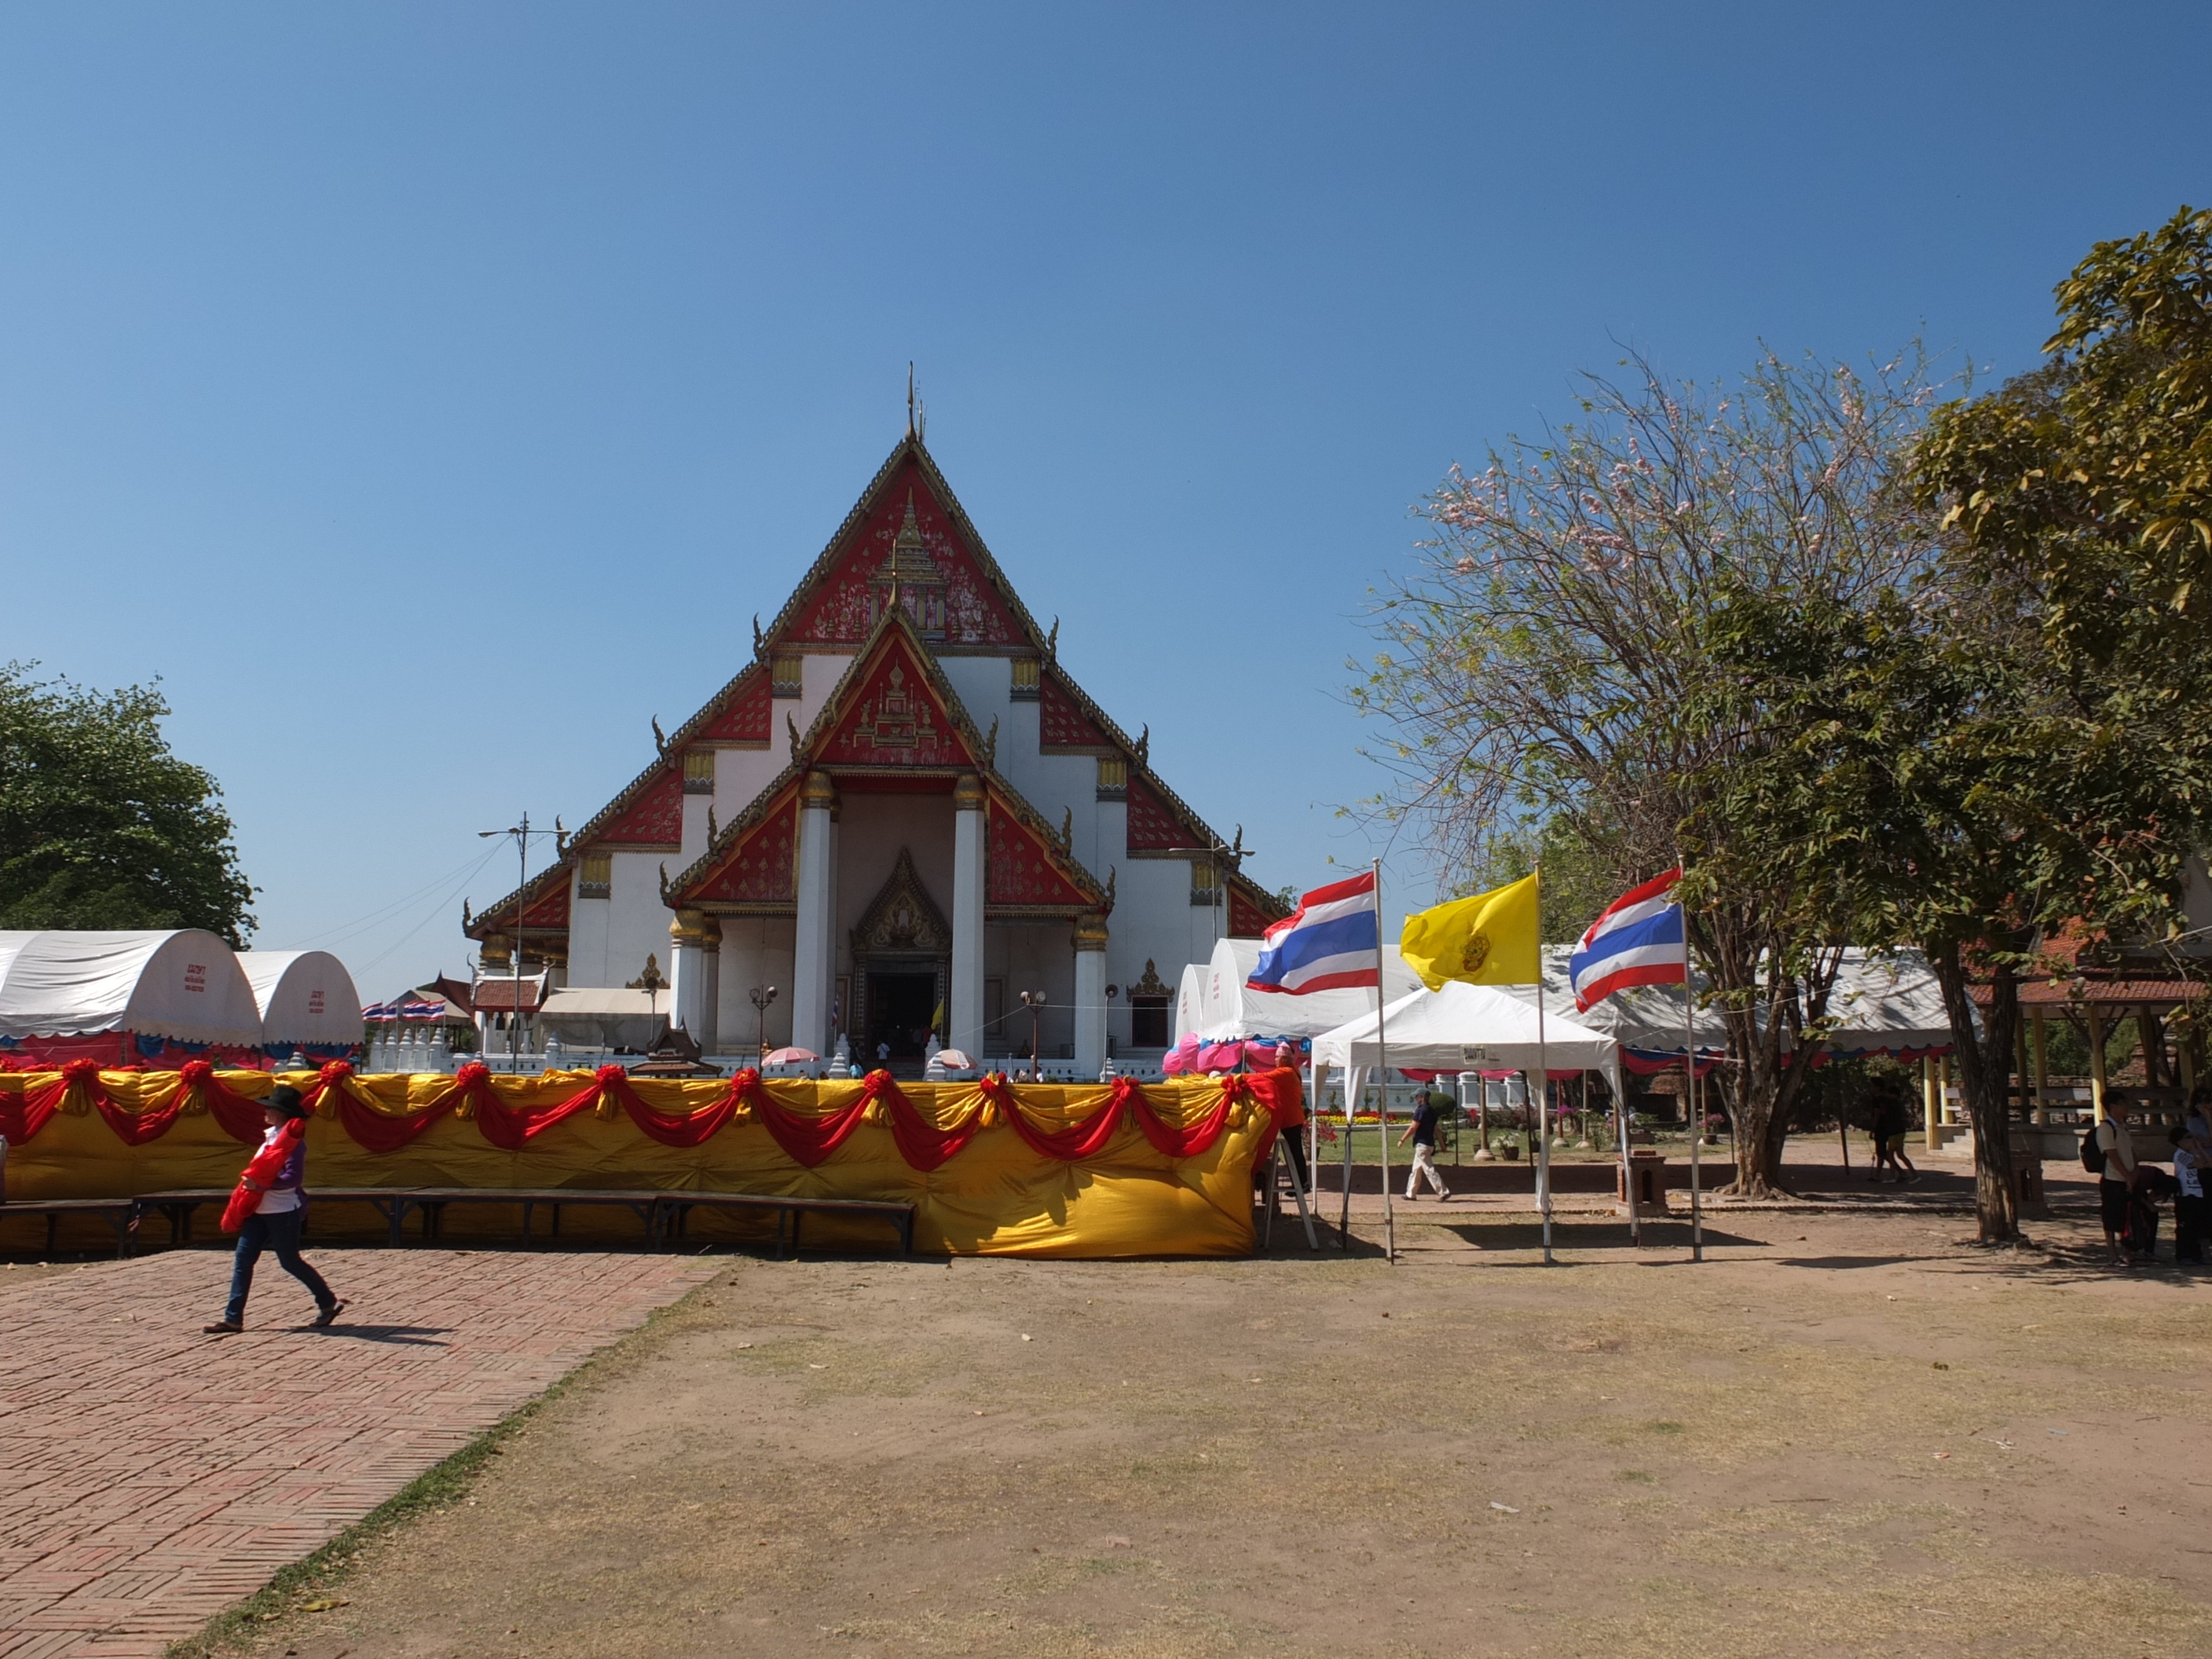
522, 832
764, 996
1034, 1001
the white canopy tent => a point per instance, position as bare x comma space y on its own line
1466, 1028
184, 983
304, 997
595, 1016
1462, 1028
1229, 1009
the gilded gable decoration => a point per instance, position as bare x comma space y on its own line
902, 919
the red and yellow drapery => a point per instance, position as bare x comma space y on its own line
1103, 1170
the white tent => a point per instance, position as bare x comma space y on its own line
1888, 1002
185, 984
1229, 1010
596, 1017
1190, 1001
1468, 1028
304, 997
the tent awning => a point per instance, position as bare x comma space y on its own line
303, 996
1467, 1028
185, 984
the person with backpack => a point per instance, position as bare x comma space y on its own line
2108, 1151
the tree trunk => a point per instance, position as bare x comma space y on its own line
1763, 1076
1984, 1064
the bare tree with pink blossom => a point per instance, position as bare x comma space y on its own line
1540, 665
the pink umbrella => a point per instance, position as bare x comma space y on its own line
790, 1057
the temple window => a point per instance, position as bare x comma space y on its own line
595, 878
787, 674
1113, 778
699, 772
1148, 1022
1027, 672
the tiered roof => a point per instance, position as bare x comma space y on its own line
906, 549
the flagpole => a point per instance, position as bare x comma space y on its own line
1690, 1084
1381, 1078
1543, 1089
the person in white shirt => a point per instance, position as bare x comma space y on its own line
275, 1224
2190, 1157
2115, 1189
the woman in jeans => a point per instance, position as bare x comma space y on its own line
274, 1224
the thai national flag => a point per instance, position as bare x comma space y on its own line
1329, 942
1638, 941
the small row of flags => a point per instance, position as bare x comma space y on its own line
1333, 940
378, 1013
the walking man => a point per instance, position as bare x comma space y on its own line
2119, 1175
274, 1224
1422, 1132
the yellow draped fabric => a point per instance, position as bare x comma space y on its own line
996, 1196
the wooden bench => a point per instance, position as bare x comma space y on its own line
395, 1204
664, 1213
119, 1213
788, 1211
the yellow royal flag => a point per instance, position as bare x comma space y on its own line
1491, 939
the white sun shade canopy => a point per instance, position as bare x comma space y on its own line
185, 984
304, 996
1468, 1028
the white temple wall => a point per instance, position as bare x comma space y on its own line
1032, 957
629, 925
588, 920
985, 685
740, 775
756, 950
871, 831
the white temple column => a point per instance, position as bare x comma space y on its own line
813, 959
970, 876
696, 947
1090, 997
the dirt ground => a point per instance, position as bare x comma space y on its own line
1852, 1435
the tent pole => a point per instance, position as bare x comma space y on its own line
1620, 1146
1697, 1117
1382, 1076
1543, 1127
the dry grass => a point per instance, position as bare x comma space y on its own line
1758, 1456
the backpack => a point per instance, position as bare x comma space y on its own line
2093, 1155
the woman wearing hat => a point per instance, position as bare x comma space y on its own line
275, 1223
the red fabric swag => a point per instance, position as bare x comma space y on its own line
511, 1128
685, 1128
238, 1116
808, 1139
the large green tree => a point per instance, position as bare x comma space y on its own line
2084, 490
102, 827
2020, 740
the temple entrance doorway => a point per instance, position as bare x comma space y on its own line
900, 1009
901, 964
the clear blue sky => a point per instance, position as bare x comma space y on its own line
429, 394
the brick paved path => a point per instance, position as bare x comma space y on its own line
150, 1476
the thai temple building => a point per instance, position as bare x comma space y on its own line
904, 815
